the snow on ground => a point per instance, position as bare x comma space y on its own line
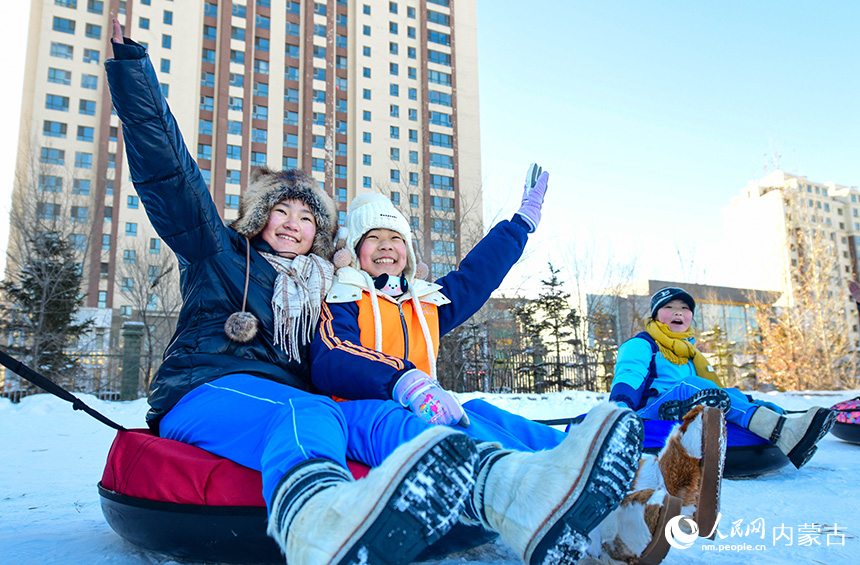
51, 458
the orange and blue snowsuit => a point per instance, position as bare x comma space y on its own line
346, 364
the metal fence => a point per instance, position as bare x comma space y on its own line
525, 374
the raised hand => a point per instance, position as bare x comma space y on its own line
533, 194
116, 37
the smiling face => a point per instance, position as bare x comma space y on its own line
382, 251
677, 315
291, 228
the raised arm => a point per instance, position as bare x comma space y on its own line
165, 176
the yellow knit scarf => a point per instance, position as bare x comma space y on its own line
676, 349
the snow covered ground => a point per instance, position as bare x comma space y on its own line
51, 458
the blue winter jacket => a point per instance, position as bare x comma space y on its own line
357, 372
211, 256
631, 371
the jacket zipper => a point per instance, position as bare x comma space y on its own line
405, 332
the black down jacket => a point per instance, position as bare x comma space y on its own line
211, 255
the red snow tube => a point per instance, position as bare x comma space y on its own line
174, 498
847, 426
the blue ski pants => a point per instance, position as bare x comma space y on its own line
271, 427
739, 414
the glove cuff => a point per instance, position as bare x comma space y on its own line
411, 383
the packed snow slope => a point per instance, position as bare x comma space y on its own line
52, 457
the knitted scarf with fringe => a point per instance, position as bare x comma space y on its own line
300, 289
676, 349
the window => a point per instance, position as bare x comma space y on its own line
440, 119
394, 132
413, 94
365, 93
319, 96
112, 133
207, 103
413, 202
95, 6
90, 82
127, 284
441, 182
413, 115
413, 74
437, 18
392, 27
259, 135
81, 187
438, 37
209, 32
125, 311
365, 137
106, 242
439, 78
85, 133
102, 299
340, 194
233, 177
411, 53
204, 151
87, 107
317, 164
393, 69
392, 7
61, 50
111, 160
48, 211
109, 187
394, 176
319, 119
365, 160
261, 44
442, 203
319, 74
261, 22
143, 23
208, 55
410, 32
395, 154
234, 152
237, 56
54, 102
80, 214
444, 161
290, 162
231, 201
165, 65
54, 129
410, 13
340, 149
130, 229
413, 135
168, 16
413, 157
413, 179
63, 25
91, 56
235, 103
83, 160
261, 66
291, 118
443, 226
78, 241
59, 76
108, 214
291, 95
441, 139
394, 90
93, 31
258, 159
318, 141
319, 9
73, 4
237, 79
440, 98
340, 171
291, 140
291, 73
365, 181
207, 79
154, 246
166, 41
50, 183
260, 112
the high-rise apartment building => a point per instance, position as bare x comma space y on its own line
367, 94
782, 223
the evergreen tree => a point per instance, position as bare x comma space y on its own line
41, 300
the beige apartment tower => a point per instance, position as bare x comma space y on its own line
369, 95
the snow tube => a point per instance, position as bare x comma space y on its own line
747, 455
847, 426
180, 500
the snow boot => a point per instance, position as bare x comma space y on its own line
715, 397
319, 515
634, 533
691, 464
796, 437
544, 505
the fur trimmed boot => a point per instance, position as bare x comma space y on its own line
319, 515
796, 437
545, 504
634, 532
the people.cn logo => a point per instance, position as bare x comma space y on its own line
681, 537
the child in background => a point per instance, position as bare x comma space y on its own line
379, 335
661, 374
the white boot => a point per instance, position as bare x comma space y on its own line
796, 437
634, 532
320, 516
545, 504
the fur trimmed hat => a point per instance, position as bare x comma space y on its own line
266, 188
370, 211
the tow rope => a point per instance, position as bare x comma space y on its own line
48, 385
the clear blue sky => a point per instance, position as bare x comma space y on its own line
650, 116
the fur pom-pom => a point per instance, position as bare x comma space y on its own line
241, 326
342, 258
422, 272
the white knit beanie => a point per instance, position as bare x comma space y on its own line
370, 211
